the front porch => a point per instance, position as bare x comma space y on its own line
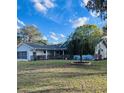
49, 54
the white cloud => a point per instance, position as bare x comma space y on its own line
53, 36
82, 4
35, 25
79, 22
49, 3
18, 27
85, 2
56, 37
52, 33
70, 20
62, 36
45, 38
56, 42
43, 6
39, 7
20, 22
94, 13
35, 1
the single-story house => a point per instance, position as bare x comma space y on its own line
34, 51
101, 49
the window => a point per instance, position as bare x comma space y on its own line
22, 55
44, 52
57, 52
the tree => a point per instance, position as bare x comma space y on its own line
98, 6
31, 34
19, 39
105, 30
84, 40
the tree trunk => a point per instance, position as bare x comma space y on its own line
80, 58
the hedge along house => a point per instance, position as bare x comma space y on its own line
33, 51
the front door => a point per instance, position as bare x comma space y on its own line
99, 55
34, 56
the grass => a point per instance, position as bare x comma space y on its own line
60, 76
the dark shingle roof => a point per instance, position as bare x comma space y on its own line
48, 47
34, 45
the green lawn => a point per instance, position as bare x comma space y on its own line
60, 76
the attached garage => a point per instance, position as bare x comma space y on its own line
22, 54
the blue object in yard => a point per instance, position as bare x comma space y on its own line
76, 57
84, 57
88, 57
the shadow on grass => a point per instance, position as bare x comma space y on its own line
98, 67
57, 90
75, 74
61, 74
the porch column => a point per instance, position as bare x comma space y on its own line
63, 53
54, 53
46, 54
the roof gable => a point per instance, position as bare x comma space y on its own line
42, 46
23, 47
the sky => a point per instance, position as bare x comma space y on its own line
55, 19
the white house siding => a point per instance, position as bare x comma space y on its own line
24, 47
30, 54
103, 50
40, 53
